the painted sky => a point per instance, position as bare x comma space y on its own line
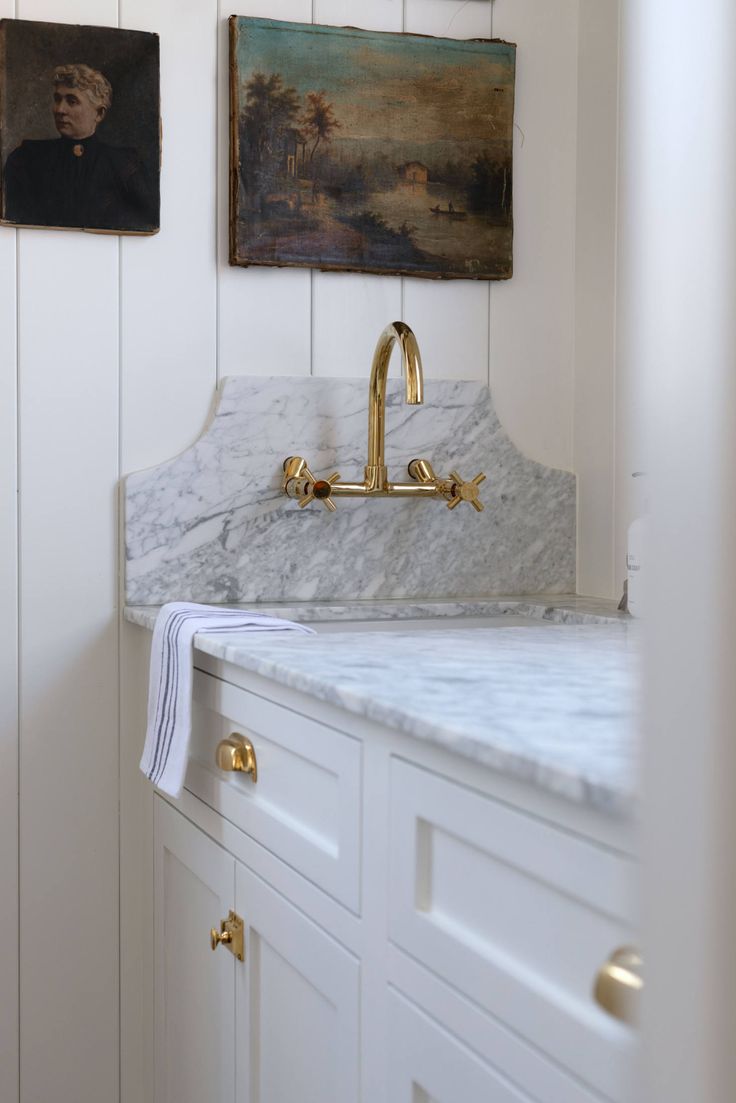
389, 85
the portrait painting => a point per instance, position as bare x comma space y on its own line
80, 134
370, 151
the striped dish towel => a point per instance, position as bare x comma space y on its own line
169, 730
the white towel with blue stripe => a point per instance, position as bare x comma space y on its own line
169, 730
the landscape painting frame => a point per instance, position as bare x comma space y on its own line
370, 151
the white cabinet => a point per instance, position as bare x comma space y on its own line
305, 805
429, 1065
515, 913
297, 1007
279, 1026
195, 989
413, 932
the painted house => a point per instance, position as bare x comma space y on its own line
414, 172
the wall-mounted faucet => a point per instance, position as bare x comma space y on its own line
300, 483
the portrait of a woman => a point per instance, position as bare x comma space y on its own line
91, 174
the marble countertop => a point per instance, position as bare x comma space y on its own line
550, 701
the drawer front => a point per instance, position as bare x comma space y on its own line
516, 914
305, 806
427, 1064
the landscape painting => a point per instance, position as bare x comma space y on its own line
366, 151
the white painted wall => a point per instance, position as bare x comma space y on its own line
117, 345
601, 562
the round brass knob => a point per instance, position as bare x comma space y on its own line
216, 937
619, 985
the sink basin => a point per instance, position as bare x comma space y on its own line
427, 615
430, 623
435, 616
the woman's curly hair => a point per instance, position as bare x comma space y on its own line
86, 79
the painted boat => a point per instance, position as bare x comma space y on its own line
457, 215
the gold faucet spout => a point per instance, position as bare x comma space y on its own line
299, 482
376, 475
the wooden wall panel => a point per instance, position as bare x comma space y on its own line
169, 282
136, 875
450, 317
265, 314
349, 313
168, 377
69, 696
351, 309
8, 677
68, 357
532, 316
600, 570
8, 664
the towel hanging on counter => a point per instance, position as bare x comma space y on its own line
169, 730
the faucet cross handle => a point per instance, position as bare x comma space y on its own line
321, 489
460, 491
300, 483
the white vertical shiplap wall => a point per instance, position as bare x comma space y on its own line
264, 315
348, 314
119, 346
168, 372
451, 319
8, 666
532, 316
601, 564
68, 295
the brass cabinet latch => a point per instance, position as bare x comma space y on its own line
619, 984
230, 934
237, 754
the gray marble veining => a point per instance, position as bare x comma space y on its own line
553, 705
212, 525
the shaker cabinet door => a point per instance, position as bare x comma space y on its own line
297, 1004
427, 1064
195, 988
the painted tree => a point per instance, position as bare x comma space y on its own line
489, 187
270, 111
317, 121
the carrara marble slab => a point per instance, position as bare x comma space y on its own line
212, 524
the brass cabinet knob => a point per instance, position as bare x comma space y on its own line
619, 985
461, 491
237, 754
216, 937
231, 935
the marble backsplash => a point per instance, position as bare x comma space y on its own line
212, 524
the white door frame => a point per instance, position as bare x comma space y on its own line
677, 342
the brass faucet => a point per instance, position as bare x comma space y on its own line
300, 483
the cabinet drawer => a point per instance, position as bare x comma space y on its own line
306, 804
427, 1064
516, 914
